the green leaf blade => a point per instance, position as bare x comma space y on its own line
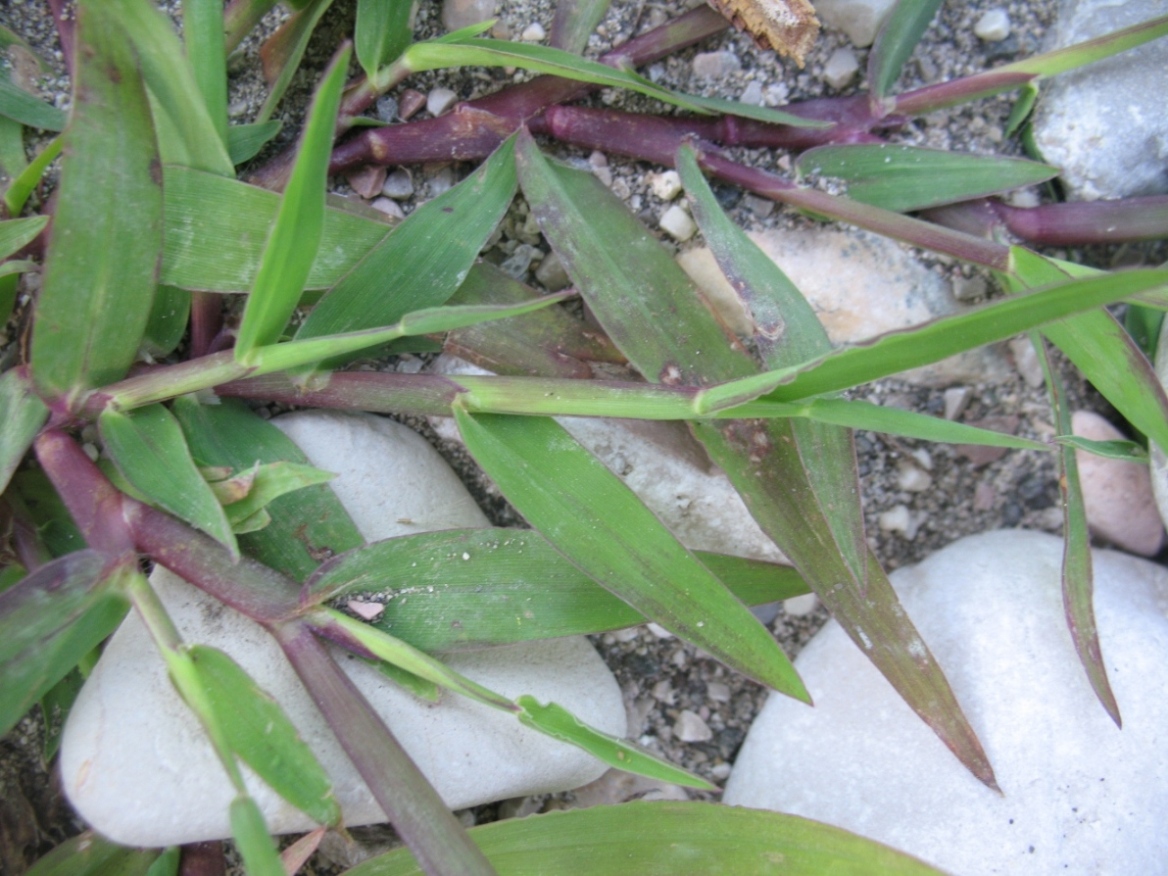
103, 256
591, 517
898, 36
423, 261
295, 236
148, 448
382, 32
23, 415
259, 732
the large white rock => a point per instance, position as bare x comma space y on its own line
859, 19
139, 769
1080, 795
1105, 126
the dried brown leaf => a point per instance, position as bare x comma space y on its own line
787, 26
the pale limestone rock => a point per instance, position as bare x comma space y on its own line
1104, 126
1079, 794
716, 65
860, 285
993, 26
677, 223
859, 19
138, 768
1118, 495
841, 67
457, 14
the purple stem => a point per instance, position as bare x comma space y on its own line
206, 321
407, 798
1087, 222
469, 132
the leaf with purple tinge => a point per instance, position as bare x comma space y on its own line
1077, 575
655, 316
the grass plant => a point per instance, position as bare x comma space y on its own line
150, 232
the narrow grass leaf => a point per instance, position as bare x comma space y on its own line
574, 23
23, 414
48, 623
215, 234
597, 522
207, 53
172, 83
168, 321
666, 838
1124, 451
282, 51
259, 732
556, 721
309, 525
103, 256
13, 161
381, 33
907, 178
255, 845
20, 106
1077, 574
1100, 348
148, 447
19, 189
471, 588
56, 705
295, 235
655, 316
900, 351
87, 854
898, 36
245, 141
424, 260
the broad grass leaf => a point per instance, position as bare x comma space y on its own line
574, 23
472, 588
49, 622
296, 233
309, 525
667, 839
23, 414
907, 178
212, 243
655, 316
168, 321
271, 481
196, 140
381, 33
148, 447
600, 525
898, 36
258, 731
87, 854
102, 262
422, 261
556, 721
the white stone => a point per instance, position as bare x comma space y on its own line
533, 33
752, 93
677, 223
860, 285
715, 65
399, 184
1026, 361
859, 19
439, 100
1104, 126
689, 727
993, 26
665, 185
841, 67
957, 399
389, 207
1079, 795
668, 470
1159, 463
911, 478
801, 605
457, 14
1121, 508
138, 768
